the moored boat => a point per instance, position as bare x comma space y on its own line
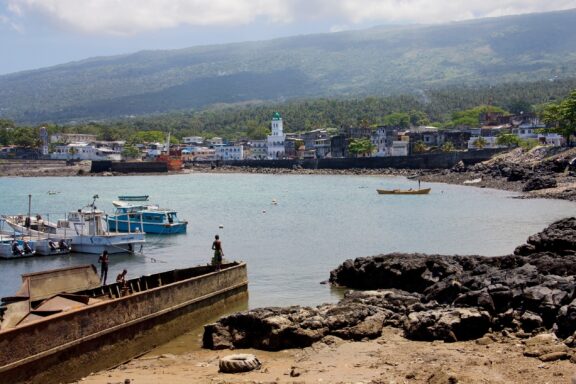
105, 325
150, 218
87, 232
14, 248
423, 191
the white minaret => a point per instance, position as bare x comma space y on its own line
275, 142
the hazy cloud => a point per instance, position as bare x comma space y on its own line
133, 16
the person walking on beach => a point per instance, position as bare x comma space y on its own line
103, 260
218, 253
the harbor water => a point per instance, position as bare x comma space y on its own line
290, 229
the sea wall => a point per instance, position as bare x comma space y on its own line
443, 160
129, 166
70, 345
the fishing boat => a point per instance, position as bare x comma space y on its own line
87, 232
150, 218
423, 191
62, 324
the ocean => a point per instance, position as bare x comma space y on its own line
292, 230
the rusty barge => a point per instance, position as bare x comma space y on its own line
62, 325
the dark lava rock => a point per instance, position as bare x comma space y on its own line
431, 297
539, 182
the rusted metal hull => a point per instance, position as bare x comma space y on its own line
73, 344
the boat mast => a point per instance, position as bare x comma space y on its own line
29, 213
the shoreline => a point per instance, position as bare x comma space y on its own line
388, 358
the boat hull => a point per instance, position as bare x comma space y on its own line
106, 334
424, 191
122, 225
116, 243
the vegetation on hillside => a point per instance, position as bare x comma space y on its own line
449, 108
420, 61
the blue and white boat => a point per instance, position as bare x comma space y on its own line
149, 218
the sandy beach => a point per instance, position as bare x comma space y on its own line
388, 359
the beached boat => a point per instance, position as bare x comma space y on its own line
61, 325
423, 191
86, 229
131, 217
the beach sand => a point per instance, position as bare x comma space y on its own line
388, 359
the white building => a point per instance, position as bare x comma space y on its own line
229, 152
194, 140
67, 138
275, 141
259, 149
84, 151
216, 141
399, 148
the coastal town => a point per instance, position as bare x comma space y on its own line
288, 192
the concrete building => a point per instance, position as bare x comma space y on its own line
193, 140
84, 151
259, 149
229, 152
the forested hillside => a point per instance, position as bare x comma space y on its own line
414, 60
253, 120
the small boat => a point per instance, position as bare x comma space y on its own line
13, 248
423, 191
134, 198
148, 218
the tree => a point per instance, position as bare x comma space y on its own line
397, 119
130, 152
562, 116
420, 147
447, 147
359, 147
508, 139
480, 143
25, 137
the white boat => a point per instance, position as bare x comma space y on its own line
86, 231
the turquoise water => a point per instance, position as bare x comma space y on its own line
290, 247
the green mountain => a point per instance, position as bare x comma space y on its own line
378, 61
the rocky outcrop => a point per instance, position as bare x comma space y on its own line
431, 297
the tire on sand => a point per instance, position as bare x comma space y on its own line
241, 362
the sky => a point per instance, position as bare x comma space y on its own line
42, 33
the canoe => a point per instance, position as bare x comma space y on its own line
423, 191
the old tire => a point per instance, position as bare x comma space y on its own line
241, 362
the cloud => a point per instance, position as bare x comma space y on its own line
129, 17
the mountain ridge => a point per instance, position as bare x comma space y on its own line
377, 61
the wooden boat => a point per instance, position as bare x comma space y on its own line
133, 198
61, 325
423, 191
